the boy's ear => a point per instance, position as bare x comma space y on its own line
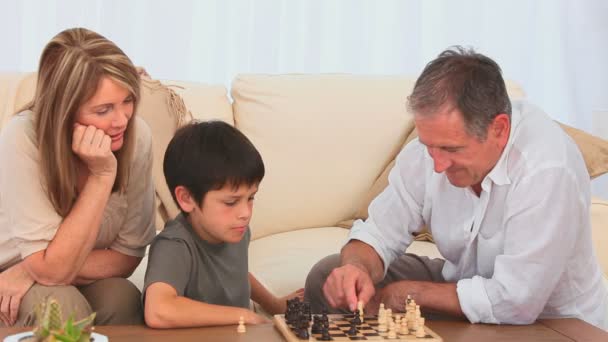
185, 201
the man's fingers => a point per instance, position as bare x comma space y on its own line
366, 292
350, 291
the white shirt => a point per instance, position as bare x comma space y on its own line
522, 250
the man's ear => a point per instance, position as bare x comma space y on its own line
501, 127
185, 201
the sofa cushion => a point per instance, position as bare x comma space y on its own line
282, 261
325, 138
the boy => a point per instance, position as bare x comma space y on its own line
198, 268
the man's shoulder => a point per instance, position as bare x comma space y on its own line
540, 143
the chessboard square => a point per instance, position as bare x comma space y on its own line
342, 325
373, 324
370, 333
333, 327
374, 337
358, 338
338, 334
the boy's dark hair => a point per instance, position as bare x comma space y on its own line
205, 156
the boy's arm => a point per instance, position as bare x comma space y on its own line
163, 308
267, 300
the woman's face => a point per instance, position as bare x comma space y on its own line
110, 110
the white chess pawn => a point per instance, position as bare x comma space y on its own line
360, 308
392, 332
420, 331
389, 315
404, 330
241, 328
381, 310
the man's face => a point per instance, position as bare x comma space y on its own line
464, 158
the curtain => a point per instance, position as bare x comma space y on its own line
556, 49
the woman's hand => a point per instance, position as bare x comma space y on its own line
93, 147
14, 284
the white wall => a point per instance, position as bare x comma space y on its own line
556, 49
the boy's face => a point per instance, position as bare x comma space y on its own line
224, 214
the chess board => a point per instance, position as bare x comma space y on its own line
367, 331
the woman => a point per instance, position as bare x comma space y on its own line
76, 194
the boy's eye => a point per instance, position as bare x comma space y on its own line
129, 99
230, 204
251, 198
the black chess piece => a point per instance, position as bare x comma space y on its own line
303, 334
316, 325
353, 329
325, 334
357, 319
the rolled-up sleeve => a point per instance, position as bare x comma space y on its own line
540, 236
396, 213
29, 220
138, 229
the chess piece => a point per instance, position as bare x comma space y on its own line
241, 328
404, 330
381, 310
357, 317
316, 325
325, 334
360, 308
420, 331
392, 332
353, 329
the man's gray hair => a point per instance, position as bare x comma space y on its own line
469, 81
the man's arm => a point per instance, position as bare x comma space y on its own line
164, 309
362, 255
433, 297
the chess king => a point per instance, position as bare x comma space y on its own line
505, 193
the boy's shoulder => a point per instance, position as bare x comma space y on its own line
176, 229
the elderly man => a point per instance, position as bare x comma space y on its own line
505, 193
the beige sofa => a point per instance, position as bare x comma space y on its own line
327, 142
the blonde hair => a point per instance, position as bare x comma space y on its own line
71, 66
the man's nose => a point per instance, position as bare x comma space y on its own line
440, 160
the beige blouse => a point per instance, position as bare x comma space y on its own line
28, 221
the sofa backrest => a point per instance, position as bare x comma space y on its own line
324, 140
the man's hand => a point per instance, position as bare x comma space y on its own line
348, 284
14, 284
93, 147
392, 296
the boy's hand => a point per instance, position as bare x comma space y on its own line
279, 304
252, 318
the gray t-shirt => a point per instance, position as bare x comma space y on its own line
210, 273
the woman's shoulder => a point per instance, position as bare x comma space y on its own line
19, 132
